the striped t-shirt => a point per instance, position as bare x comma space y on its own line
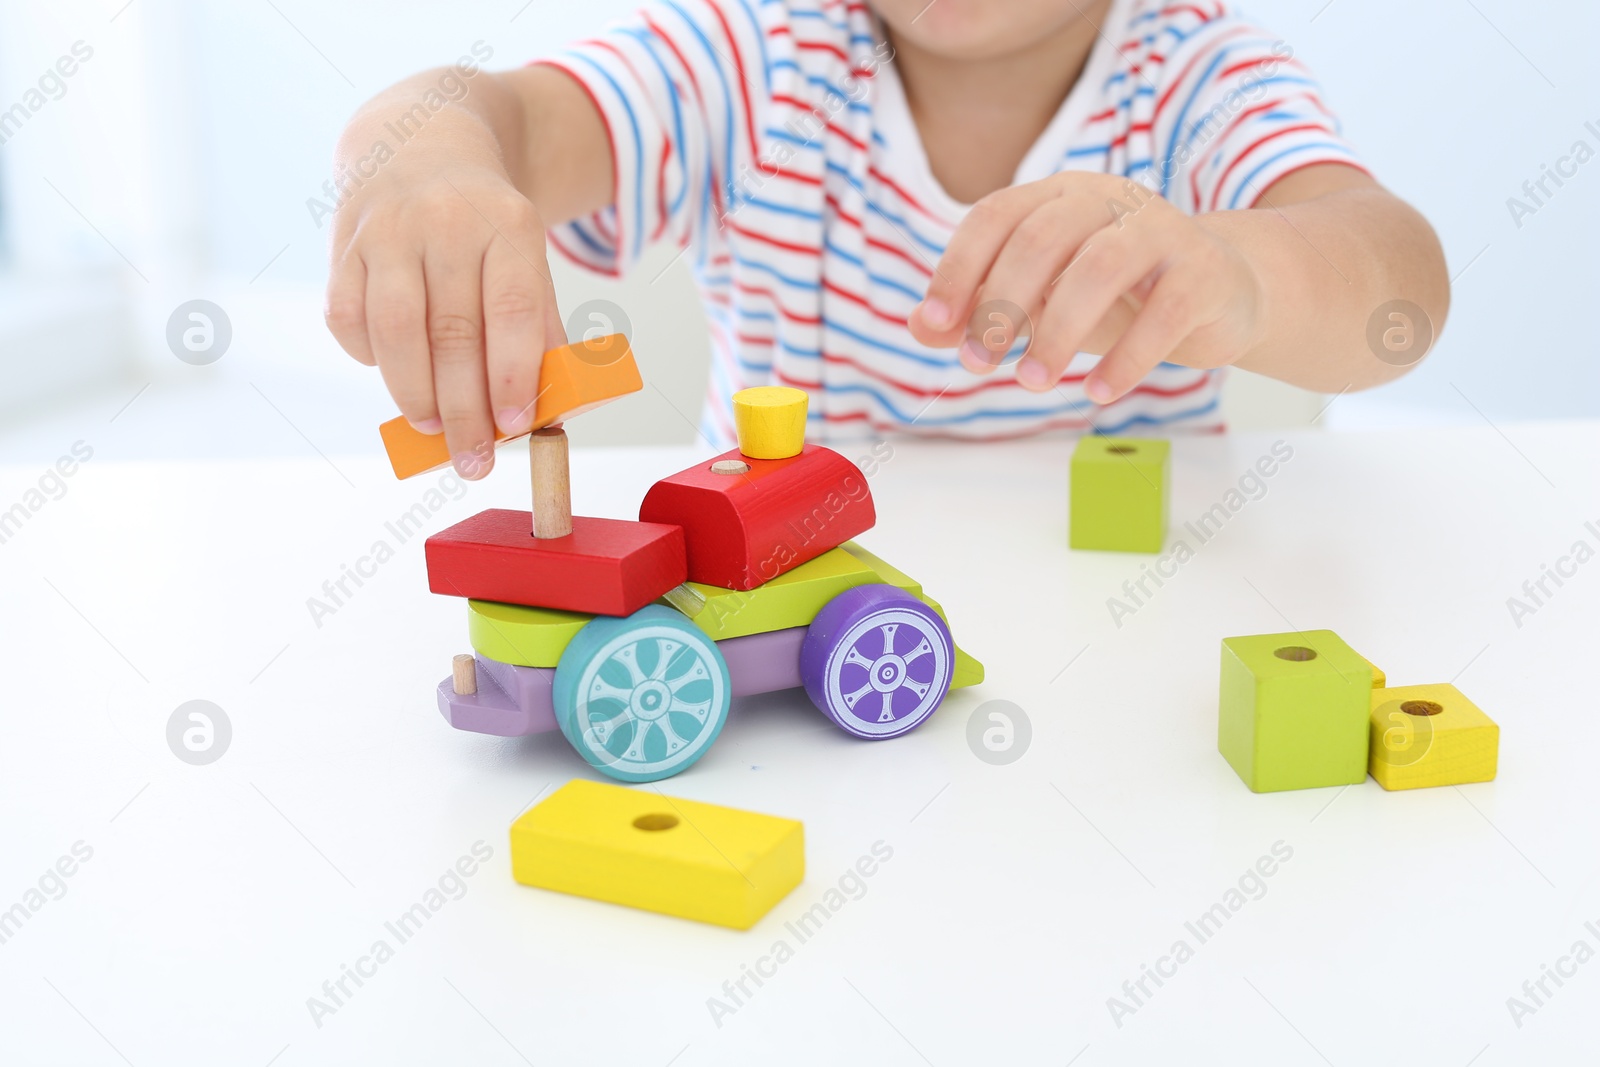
772, 138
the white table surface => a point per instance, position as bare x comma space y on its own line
1018, 898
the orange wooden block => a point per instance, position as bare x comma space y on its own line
572, 379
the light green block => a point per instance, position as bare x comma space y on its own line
967, 671
791, 599
888, 573
1293, 710
528, 637
1119, 494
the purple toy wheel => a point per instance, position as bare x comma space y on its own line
877, 661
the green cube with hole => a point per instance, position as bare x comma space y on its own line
1119, 494
1293, 711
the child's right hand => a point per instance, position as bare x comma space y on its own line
439, 278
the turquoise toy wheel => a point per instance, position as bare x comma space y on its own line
641, 697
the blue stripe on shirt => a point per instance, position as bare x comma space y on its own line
638, 151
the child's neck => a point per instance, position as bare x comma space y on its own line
978, 118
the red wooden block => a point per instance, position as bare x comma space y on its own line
748, 527
603, 567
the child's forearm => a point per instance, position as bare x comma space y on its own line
534, 126
1328, 266
1287, 290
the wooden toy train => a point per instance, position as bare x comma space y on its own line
740, 577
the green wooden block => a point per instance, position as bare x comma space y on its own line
791, 599
1119, 494
1293, 710
513, 633
888, 573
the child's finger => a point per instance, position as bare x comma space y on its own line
1110, 263
1169, 316
1035, 253
345, 308
941, 319
396, 306
455, 339
515, 299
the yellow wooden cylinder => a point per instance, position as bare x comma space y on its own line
771, 421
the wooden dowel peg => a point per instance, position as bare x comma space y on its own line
552, 487
464, 674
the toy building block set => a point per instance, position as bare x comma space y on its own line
1297, 710
632, 637
741, 575
1303, 710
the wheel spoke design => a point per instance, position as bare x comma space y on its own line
919, 688
888, 630
635, 749
600, 689
697, 673
698, 711
641, 697
666, 649
855, 658
674, 742
876, 639
629, 658
602, 728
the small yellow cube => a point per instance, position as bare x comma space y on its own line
639, 848
1426, 735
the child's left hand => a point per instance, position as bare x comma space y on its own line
1096, 263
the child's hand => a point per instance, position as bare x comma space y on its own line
1096, 263
439, 278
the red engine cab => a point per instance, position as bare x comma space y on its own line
763, 517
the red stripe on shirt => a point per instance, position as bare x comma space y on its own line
1216, 190
616, 171
738, 66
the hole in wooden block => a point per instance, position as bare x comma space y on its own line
655, 821
1121, 450
730, 466
1421, 707
1296, 653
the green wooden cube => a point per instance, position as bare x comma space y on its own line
1294, 710
1119, 494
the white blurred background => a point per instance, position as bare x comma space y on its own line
177, 160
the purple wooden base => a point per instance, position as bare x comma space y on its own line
510, 702
514, 701
763, 663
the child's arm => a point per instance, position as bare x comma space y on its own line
439, 275
1099, 264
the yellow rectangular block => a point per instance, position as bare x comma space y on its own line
678, 857
1379, 679
1427, 735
